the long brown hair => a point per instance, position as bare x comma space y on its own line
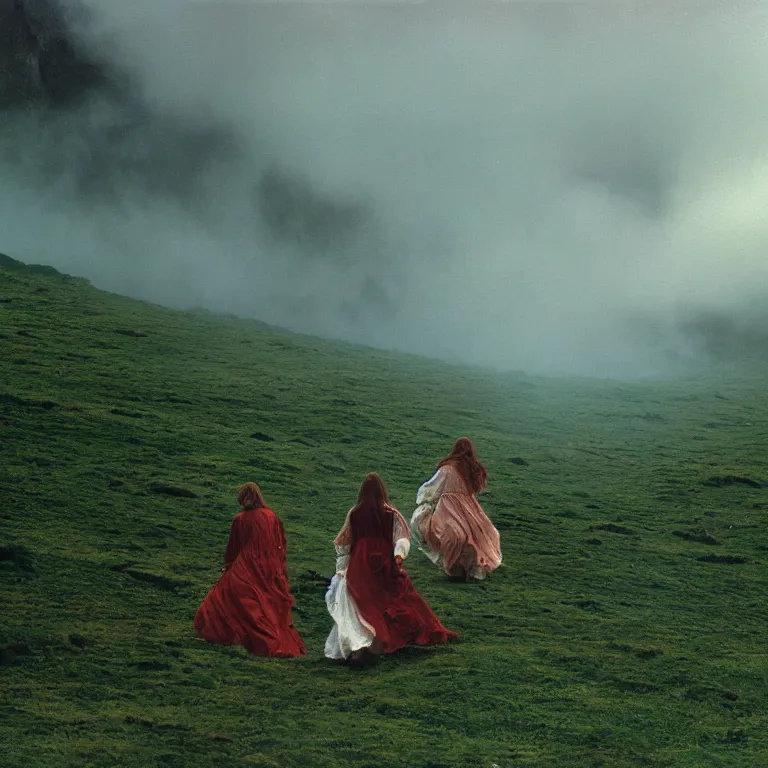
464, 458
370, 517
373, 493
249, 497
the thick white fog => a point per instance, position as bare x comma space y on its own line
558, 188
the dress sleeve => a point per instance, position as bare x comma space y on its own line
430, 492
235, 543
401, 535
342, 545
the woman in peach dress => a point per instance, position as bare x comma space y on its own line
449, 524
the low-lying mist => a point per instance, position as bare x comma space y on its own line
557, 188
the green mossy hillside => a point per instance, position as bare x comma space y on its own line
627, 626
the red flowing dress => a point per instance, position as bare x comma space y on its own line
383, 592
251, 603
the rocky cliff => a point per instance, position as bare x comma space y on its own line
40, 58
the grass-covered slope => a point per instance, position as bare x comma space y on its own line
626, 627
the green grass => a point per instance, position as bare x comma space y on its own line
604, 640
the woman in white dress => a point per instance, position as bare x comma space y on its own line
449, 524
374, 605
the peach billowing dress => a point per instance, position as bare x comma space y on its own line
452, 529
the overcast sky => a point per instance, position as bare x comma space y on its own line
539, 186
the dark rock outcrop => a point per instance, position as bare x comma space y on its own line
40, 57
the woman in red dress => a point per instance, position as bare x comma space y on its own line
251, 603
375, 607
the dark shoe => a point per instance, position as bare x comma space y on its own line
459, 574
361, 659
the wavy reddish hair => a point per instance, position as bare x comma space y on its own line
464, 458
250, 497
